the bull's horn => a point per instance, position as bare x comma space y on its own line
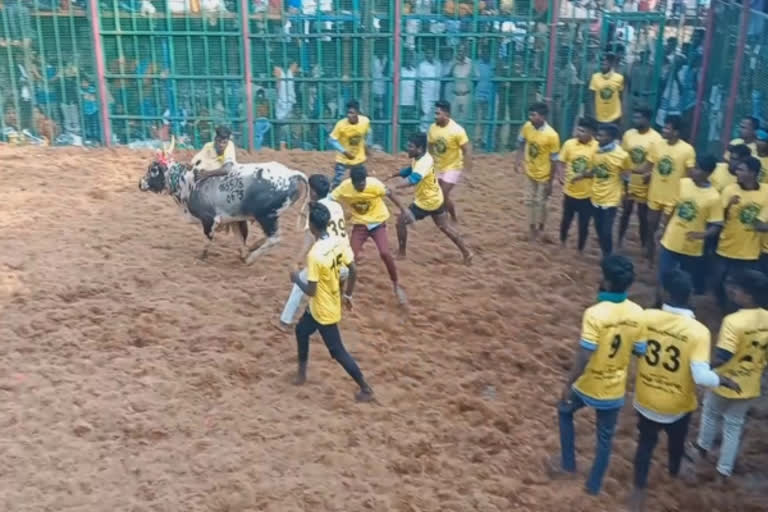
173, 144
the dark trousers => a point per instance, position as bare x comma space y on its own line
695, 266
332, 338
606, 426
571, 208
642, 218
604, 218
649, 436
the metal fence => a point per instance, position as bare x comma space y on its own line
280, 71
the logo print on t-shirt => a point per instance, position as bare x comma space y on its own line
606, 93
637, 154
666, 165
533, 150
355, 140
748, 214
441, 145
687, 211
361, 207
601, 171
580, 165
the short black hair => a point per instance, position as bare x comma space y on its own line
320, 184
319, 216
223, 132
674, 121
539, 107
755, 122
679, 285
353, 104
740, 151
707, 163
443, 105
358, 173
589, 123
610, 57
644, 111
418, 139
752, 164
619, 271
755, 284
610, 128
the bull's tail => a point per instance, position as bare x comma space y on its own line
303, 184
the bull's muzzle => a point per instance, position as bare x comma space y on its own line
143, 185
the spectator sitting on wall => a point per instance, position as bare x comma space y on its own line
217, 157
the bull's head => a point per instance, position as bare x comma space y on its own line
155, 178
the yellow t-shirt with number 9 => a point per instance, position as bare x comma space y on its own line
613, 329
664, 381
324, 262
745, 335
366, 207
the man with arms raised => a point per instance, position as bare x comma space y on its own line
349, 138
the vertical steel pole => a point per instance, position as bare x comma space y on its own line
706, 57
396, 76
246, 35
554, 20
98, 51
736, 75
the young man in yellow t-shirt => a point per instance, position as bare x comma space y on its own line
575, 160
217, 157
696, 216
740, 354
746, 219
539, 145
638, 142
428, 198
350, 139
676, 360
323, 286
363, 197
610, 170
669, 160
607, 86
451, 150
725, 172
612, 330
747, 135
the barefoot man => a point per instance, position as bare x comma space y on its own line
451, 150
428, 197
323, 285
364, 198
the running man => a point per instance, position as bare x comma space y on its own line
575, 160
747, 135
612, 330
539, 145
637, 142
746, 213
364, 198
669, 160
607, 86
451, 150
319, 186
324, 262
217, 157
350, 139
676, 360
428, 196
610, 169
696, 217
740, 354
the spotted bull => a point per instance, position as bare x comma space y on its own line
258, 192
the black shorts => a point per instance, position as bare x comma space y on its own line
420, 213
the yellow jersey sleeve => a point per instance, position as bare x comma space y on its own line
378, 188
593, 83
690, 159
337, 192
554, 143
763, 215
700, 353
229, 152
336, 130
313, 268
729, 335
715, 211
728, 193
347, 256
461, 137
590, 329
525, 131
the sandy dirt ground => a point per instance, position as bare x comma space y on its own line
135, 377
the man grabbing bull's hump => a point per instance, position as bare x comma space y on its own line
217, 157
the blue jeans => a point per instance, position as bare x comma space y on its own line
606, 426
339, 172
695, 266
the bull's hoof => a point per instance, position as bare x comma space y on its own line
251, 259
